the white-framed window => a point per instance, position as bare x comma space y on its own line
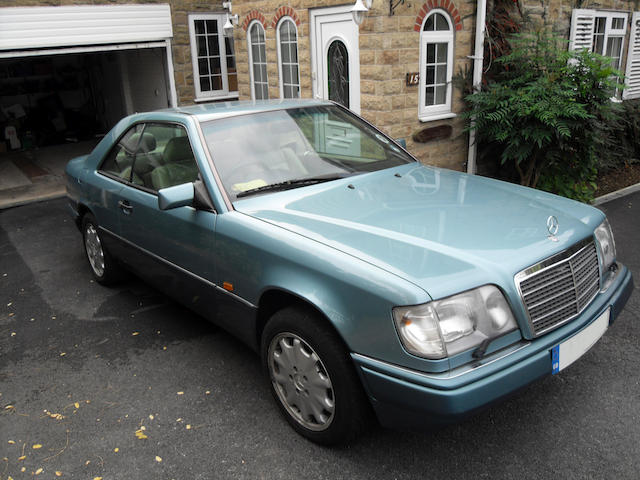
609, 31
288, 67
213, 57
605, 32
436, 66
257, 61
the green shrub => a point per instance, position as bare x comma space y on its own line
550, 112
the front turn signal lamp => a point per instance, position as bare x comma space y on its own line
452, 325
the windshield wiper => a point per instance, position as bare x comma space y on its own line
289, 184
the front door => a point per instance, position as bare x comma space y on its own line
335, 58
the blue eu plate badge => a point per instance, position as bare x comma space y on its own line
555, 359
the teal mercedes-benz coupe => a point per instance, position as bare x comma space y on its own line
367, 282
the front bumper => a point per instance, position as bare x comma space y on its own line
408, 399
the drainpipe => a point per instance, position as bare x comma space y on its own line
478, 58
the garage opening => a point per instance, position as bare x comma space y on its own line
67, 75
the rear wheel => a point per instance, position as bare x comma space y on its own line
103, 267
312, 377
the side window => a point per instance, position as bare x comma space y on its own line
153, 156
171, 163
119, 162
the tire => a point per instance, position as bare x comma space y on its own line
104, 268
315, 384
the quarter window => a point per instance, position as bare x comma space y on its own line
258, 62
213, 57
288, 56
436, 65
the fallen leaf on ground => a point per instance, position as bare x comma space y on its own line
77, 405
135, 333
58, 474
63, 354
57, 416
11, 442
116, 449
150, 417
180, 393
36, 446
39, 471
188, 427
140, 434
158, 459
13, 334
22, 458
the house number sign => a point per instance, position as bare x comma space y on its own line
413, 79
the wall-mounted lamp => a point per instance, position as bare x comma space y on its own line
359, 9
232, 20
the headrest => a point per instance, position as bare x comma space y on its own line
177, 149
147, 143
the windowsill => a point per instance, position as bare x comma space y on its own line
437, 116
230, 96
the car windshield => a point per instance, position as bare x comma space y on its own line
284, 149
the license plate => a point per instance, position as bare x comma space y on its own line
567, 352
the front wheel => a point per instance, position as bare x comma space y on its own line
312, 377
103, 267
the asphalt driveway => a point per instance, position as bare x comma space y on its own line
122, 383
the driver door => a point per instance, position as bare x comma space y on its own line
171, 248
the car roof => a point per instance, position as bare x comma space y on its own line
212, 111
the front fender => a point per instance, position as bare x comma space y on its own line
356, 297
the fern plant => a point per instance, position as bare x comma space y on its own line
549, 109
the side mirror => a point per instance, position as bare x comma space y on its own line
176, 196
402, 142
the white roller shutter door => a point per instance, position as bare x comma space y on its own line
24, 28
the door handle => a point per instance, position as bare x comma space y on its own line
125, 206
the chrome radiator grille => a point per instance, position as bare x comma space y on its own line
559, 288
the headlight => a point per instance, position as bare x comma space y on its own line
454, 324
606, 245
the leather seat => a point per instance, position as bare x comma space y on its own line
179, 165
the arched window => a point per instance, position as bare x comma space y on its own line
436, 65
258, 62
288, 58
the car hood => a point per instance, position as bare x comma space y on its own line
442, 230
